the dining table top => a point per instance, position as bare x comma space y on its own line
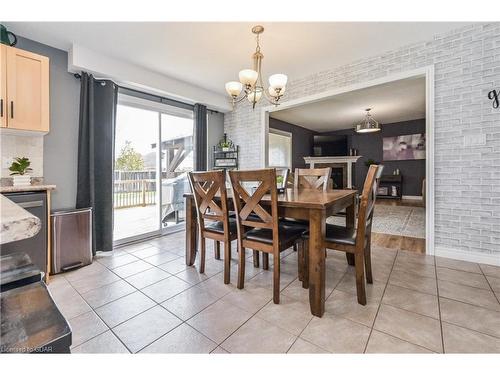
305, 198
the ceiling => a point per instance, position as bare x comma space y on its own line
210, 54
391, 102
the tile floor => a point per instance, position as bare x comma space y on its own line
143, 298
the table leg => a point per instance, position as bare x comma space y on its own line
191, 231
317, 262
350, 221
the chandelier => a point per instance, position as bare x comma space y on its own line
368, 125
250, 85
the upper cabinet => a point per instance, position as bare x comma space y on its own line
24, 85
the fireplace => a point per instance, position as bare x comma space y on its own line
341, 168
338, 177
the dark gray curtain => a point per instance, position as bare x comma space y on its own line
200, 137
96, 142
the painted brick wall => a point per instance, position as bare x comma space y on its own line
467, 179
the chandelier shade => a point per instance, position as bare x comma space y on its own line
368, 125
250, 84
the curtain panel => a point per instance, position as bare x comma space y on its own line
200, 137
96, 141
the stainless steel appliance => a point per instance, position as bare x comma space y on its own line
36, 247
71, 239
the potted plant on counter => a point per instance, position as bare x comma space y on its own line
19, 169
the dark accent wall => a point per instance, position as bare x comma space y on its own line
302, 141
370, 147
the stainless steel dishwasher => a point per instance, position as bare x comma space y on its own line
36, 247
71, 239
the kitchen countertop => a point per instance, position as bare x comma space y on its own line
17, 189
16, 223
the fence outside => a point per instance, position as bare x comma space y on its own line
134, 188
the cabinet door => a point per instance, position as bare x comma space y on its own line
27, 90
3, 86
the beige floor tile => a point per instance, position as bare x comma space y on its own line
460, 277
95, 281
175, 266
135, 247
69, 302
414, 282
192, 276
346, 305
290, 315
265, 280
494, 283
122, 309
383, 343
148, 251
336, 334
411, 257
411, 300
86, 326
108, 293
160, 258
414, 328
212, 266
183, 339
104, 343
374, 291
148, 277
249, 300
301, 346
219, 320
462, 340
295, 291
459, 265
259, 336
85, 272
490, 270
165, 289
468, 294
219, 350
132, 268
143, 329
469, 316
189, 302
427, 270
216, 287
117, 260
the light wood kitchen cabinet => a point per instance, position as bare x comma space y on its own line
24, 90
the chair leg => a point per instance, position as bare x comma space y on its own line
295, 247
276, 278
368, 261
360, 277
305, 275
202, 255
227, 262
241, 268
300, 260
265, 261
350, 259
217, 249
256, 258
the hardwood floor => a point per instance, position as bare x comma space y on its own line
390, 241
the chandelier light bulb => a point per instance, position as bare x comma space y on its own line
234, 88
278, 81
254, 96
248, 77
276, 92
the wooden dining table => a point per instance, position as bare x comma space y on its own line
312, 205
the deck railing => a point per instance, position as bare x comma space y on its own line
134, 191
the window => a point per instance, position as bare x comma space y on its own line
280, 149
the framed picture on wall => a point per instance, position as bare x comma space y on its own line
404, 147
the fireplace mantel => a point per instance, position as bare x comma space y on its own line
332, 160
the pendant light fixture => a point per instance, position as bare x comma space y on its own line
368, 125
250, 83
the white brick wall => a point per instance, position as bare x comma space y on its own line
467, 179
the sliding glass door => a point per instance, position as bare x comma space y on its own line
153, 153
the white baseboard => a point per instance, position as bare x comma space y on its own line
413, 197
469, 256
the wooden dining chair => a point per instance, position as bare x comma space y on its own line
312, 178
260, 229
220, 227
355, 240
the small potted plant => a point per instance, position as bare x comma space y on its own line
279, 184
19, 169
225, 144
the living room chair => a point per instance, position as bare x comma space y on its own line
220, 227
260, 229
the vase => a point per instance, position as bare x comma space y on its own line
21, 180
